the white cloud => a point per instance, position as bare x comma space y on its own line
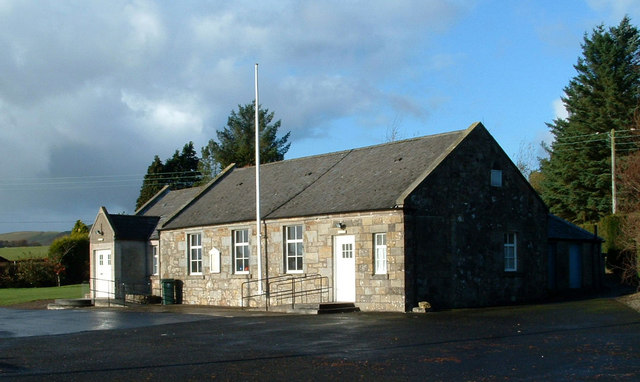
179, 116
559, 110
617, 8
102, 87
146, 33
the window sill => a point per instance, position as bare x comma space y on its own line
242, 276
380, 276
513, 273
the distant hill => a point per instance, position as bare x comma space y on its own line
32, 237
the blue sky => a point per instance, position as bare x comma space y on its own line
90, 91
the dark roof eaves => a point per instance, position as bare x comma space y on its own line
152, 200
587, 234
284, 217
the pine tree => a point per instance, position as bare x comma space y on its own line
152, 182
237, 139
180, 171
602, 96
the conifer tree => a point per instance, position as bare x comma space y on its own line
180, 171
237, 140
602, 96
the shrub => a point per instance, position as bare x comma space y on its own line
611, 232
35, 273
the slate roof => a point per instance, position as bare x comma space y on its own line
166, 203
365, 179
560, 229
133, 227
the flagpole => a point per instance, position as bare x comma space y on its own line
257, 147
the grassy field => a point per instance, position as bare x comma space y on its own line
21, 253
11, 296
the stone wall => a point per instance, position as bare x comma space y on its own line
373, 292
456, 221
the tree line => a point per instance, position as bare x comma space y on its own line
236, 144
67, 262
18, 243
586, 164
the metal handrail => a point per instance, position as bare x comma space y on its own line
131, 288
293, 292
265, 288
93, 290
275, 285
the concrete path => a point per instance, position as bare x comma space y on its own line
586, 340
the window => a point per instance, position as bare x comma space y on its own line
154, 251
294, 249
496, 178
510, 252
101, 256
241, 251
347, 251
195, 253
380, 250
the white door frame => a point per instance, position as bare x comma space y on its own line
344, 255
103, 277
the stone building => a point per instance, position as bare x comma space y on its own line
162, 205
575, 260
119, 254
446, 219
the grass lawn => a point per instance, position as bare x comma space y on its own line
11, 296
21, 253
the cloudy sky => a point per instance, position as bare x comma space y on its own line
90, 91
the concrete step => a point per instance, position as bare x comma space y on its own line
108, 302
337, 307
317, 308
69, 303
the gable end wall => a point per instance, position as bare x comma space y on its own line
455, 230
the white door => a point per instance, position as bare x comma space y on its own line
104, 274
345, 275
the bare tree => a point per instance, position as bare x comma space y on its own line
630, 227
526, 158
393, 130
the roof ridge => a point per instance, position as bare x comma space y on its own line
348, 151
309, 185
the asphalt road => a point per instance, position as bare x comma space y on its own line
596, 339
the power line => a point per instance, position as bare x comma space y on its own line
186, 178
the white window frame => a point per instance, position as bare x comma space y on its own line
510, 247
194, 249
240, 246
155, 266
296, 241
380, 253
496, 178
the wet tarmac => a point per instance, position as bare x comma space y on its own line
27, 323
586, 340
